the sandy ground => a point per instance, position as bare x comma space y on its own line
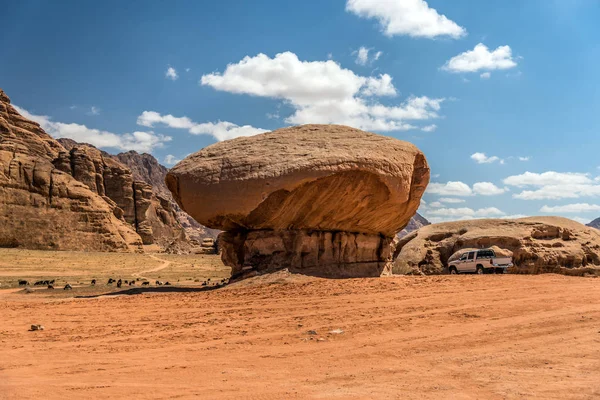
463, 337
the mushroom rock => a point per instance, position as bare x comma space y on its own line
325, 200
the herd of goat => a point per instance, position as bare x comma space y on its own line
119, 283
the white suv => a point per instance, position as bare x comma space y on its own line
480, 262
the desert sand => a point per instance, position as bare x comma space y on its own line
463, 337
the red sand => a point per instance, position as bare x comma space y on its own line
464, 337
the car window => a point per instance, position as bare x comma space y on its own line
463, 257
485, 254
471, 255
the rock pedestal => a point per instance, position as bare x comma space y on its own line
320, 199
318, 253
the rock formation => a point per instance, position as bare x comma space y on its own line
42, 206
146, 168
136, 201
319, 199
537, 244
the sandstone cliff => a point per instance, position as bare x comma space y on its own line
537, 244
148, 211
42, 206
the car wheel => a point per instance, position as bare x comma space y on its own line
453, 271
480, 270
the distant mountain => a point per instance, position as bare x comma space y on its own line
416, 222
595, 223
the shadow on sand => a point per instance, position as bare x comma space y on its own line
162, 289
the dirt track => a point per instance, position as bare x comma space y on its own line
460, 337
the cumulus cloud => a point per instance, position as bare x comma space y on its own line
171, 74
571, 208
547, 178
581, 220
138, 141
481, 158
553, 185
462, 213
481, 58
170, 159
451, 200
487, 189
221, 130
323, 92
362, 56
557, 192
450, 189
485, 75
407, 17
429, 128
94, 111
524, 158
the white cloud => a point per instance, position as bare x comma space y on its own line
94, 111
581, 220
480, 58
188, 69
429, 128
571, 208
406, 17
524, 158
485, 75
513, 216
170, 159
450, 189
553, 185
323, 92
138, 141
556, 192
362, 56
451, 200
547, 178
481, 158
221, 130
462, 213
487, 189
171, 74
436, 204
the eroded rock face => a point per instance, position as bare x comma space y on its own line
537, 245
145, 168
43, 206
315, 198
151, 215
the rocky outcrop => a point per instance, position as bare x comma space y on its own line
146, 168
416, 222
321, 199
537, 244
42, 206
136, 201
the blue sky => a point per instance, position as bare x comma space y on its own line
511, 79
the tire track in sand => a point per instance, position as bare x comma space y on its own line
164, 265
